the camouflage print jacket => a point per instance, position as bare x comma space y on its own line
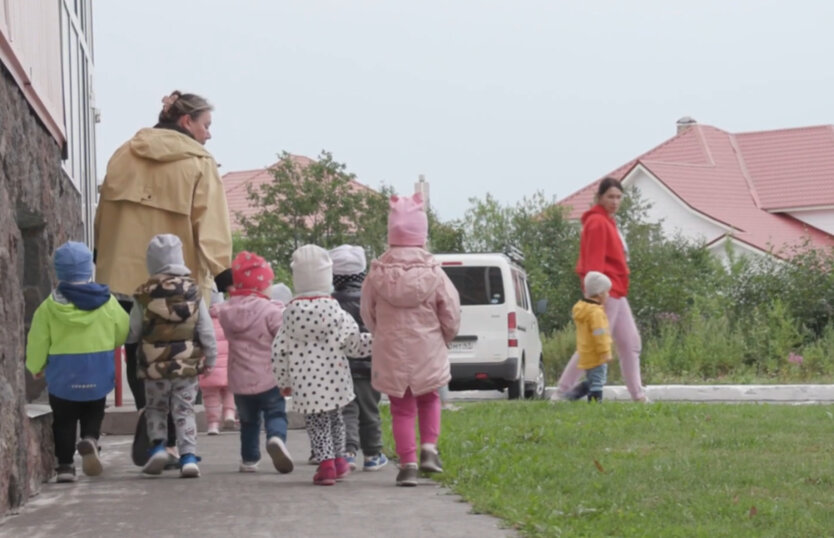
170, 348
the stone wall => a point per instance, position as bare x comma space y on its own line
39, 210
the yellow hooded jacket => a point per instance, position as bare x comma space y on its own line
593, 339
161, 181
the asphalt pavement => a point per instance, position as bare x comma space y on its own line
224, 502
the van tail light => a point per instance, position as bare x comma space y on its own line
512, 330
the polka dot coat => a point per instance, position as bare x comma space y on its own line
309, 353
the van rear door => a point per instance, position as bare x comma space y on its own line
483, 328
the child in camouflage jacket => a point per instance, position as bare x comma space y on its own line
173, 326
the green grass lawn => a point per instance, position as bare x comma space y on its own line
624, 469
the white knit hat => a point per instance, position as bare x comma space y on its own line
281, 292
312, 272
596, 283
348, 260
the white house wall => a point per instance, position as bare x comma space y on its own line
674, 216
822, 219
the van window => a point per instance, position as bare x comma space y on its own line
522, 298
477, 285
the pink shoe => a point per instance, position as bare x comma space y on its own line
342, 468
325, 474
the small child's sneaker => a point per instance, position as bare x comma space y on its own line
248, 467
188, 466
430, 460
90, 463
281, 459
229, 421
342, 468
375, 463
350, 458
325, 474
157, 460
408, 475
66, 473
213, 429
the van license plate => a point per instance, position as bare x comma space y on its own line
464, 345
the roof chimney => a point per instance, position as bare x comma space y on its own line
422, 186
685, 123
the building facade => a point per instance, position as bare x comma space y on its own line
47, 196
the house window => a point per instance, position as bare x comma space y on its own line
79, 112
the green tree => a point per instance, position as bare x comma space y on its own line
312, 203
539, 229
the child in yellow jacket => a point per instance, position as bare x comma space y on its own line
593, 339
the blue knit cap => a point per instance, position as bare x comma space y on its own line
73, 262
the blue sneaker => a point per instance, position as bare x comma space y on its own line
350, 458
157, 459
188, 466
375, 463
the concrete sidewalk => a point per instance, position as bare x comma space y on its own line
226, 503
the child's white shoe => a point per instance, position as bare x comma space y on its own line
213, 429
281, 458
248, 467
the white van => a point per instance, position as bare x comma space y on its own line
498, 345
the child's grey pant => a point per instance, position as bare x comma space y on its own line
362, 424
177, 396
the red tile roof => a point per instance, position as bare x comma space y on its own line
738, 179
236, 186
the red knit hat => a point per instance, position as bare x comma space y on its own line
251, 275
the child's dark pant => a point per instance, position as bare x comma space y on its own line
66, 414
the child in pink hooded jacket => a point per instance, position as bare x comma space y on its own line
413, 311
218, 400
250, 320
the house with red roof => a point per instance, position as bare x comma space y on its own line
762, 192
236, 185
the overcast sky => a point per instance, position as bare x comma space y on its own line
480, 96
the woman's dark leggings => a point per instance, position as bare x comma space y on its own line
137, 386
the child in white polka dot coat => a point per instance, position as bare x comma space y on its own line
310, 362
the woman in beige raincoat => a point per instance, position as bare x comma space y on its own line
163, 181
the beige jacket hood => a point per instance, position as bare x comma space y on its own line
160, 181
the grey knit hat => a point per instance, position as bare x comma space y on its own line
596, 283
165, 256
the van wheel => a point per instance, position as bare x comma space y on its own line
516, 389
538, 388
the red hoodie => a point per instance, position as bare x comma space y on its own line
601, 249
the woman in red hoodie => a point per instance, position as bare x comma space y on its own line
602, 248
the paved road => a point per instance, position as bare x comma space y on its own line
224, 502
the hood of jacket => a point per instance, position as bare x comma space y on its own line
597, 210
70, 314
583, 309
405, 276
308, 319
239, 313
88, 296
165, 145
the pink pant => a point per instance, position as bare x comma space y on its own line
219, 402
403, 413
626, 340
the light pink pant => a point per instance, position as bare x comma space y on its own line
219, 403
626, 340
403, 413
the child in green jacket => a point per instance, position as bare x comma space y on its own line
72, 340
